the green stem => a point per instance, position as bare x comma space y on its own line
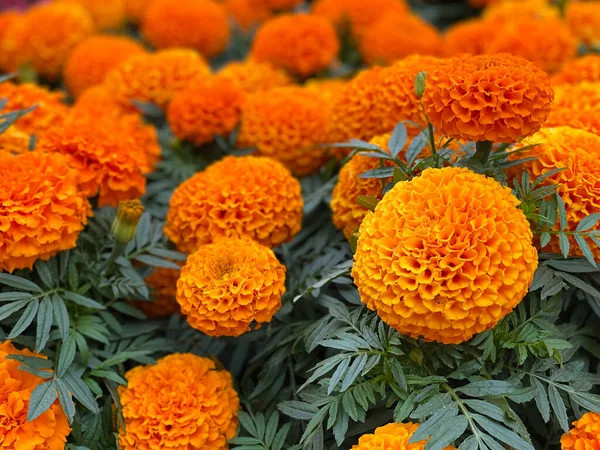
483, 149
118, 250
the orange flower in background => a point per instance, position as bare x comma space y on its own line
445, 255
585, 433
155, 77
508, 10
288, 124
586, 68
162, 283
278, 5
228, 285
49, 112
206, 109
246, 197
181, 402
329, 89
581, 96
42, 211
48, 431
10, 21
135, 10
498, 98
393, 436
247, 14
92, 59
14, 141
197, 24
583, 18
302, 44
99, 101
392, 38
253, 76
471, 36
107, 14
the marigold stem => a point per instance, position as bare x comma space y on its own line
483, 149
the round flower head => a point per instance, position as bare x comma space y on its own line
206, 109
228, 285
156, 77
586, 68
162, 283
49, 112
247, 197
181, 402
135, 10
445, 255
392, 37
469, 37
253, 76
302, 44
14, 141
581, 96
107, 14
583, 18
93, 58
329, 89
42, 211
498, 98
279, 5
99, 101
507, 10
10, 21
393, 436
48, 431
198, 24
246, 13
585, 433
287, 124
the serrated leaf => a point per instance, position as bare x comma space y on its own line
544, 239
41, 399
502, 433
382, 172
81, 391
25, 319
354, 371
155, 261
19, 283
66, 356
579, 284
61, 316
44, 273
367, 201
44, 323
64, 397
585, 249
485, 387
564, 244
13, 296
397, 140
447, 433
416, 146
588, 222
572, 265
83, 301
11, 308
562, 212
297, 410
558, 406
438, 419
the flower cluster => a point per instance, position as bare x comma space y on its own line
393, 436
253, 76
584, 434
586, 68
583, 18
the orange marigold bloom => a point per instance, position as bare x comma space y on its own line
585, 433
163, 291
393, 436
247, 197
586, 68
246, 13
135, 10
581, 96
89, 63
228, 285
583, 18
278, 5
471, 37
48, 431
329, 89
182, 402
42, 211
507, 10
302, 44
498, 98
9, 23
445, 255
254, 76
288, 124
198, 24
206, 109
579, 119
14, 141
99, 101
107, 14
392, 37
156, 77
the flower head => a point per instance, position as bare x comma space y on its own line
197, 24
393, 436
42, 211
230, 284
287, 124
181, 402
155, 77
247, 14
206, 109
10, 21
470, 36
135, 10
253, 76
247, 197
585, 433
162, 283
48, 431
126, 221
89, 62
107, 14
445, 255
506, 11
586, 68
583, 18
14, 141
302, 44
498, 98
329, 89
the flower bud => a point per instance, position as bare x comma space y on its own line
420, 83
125, 225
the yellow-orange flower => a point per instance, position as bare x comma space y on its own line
329, 89
287, 124
14, 141
163, 292
445, 255
156, 77
107, 14
10, 21
89, 63
49, 112
99, 101
393, 436
48, 431
278, 5
498, 98
574, 118
585, 433
110, 162
586, 68
508, 10
246, 13
228, 285
247, 197
42, 211
182, 402
253, 76
583, 18
206, 109
392, 38
135, 10
198, 24
302, 44
471, 37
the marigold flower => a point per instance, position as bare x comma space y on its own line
181, 402
206, 109
288, 124
392, 38
393, 436
329, 89
496, 98
48, 431
247, 197
198, 24
574, 118
107, 14
100, 102
230, 284
163, 291
253, 76
89, 63
9, 21
586, 68
585, 433
279, 5
445, 255
126, 221
156, 77
135, 10
581, 96
471, 37
42, 210
302, 44
14, 141
583, 18
246, 13
507, 10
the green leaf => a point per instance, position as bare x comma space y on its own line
349, 405
397, 140
297, 410
354, 371
61, 316
558, 406
485, 387
403, 409
338, 374
416, 146
486, 408
564, 244
11, 308
44, 323
81, 391
382, 172
64, 397
66, 356
447, 433
25, 319
19, 283
398, 373
12, 296
588, 222
585, 249
544, 239
572, 265
41, 399
83, 301
562, 212
432, 406
155, 261
579, 284
367, 201
502, 433
44, 273
438, 419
